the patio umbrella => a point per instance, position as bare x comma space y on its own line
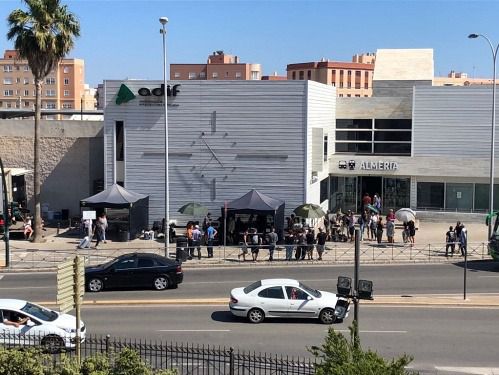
193, 209
372, 208
405, 215
309, 211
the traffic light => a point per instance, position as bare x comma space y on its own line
344, 286
365, 289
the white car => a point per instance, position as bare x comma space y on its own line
45, 327
286, 298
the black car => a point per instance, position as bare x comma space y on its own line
137, 270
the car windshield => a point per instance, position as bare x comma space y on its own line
40, 312
252, 287
308, 289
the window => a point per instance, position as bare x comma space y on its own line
354, 124
459, 197
26, 68
66, 81
202, 75
272, 292
238, 75
363, 135
26, 81
393, 124
66, 69
18, 80
7, 68
333, 77
354, 148
226, 74
176, 75
66, 92
67, 105
119, 129
124, 264
482, 197
50, 92
252, 287
255, 75
392, 148
145, 263
50, 105
9, 105
293, 75
26, 92
430, 195
325, 147
192, 75
26, 104
324, 194
50, 81
7, 81
301, 75
309, 74
296, 293
8, 92
214, 75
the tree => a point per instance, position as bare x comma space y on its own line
43, 35
338, 356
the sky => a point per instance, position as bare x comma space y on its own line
120, 39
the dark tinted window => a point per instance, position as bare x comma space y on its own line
430, 195
357, 148
393, 124
272, 292
392, 136
354, 124
125, 263
354, 136
252, 287
392, 148
145, 262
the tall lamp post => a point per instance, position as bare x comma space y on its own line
164, 21
492, 141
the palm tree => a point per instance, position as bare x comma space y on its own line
43, 35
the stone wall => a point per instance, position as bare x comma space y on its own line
71, 159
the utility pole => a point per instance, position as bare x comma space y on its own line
5, 216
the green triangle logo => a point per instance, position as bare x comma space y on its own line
124, 95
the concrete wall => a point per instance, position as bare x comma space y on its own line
375, 107
71, 158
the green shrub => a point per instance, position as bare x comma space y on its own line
339, 356
23, 362
96, 365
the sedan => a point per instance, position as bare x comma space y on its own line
286, 298
137, 270
25, 323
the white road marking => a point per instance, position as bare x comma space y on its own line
193, 330
25, 287
488, 276
469, 370
347, 330
247, 281
1, 277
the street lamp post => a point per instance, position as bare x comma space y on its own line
164, 21
492, 141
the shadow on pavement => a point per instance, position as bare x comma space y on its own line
226, 316
479, 265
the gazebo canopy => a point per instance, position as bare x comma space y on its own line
113, 197
255, 201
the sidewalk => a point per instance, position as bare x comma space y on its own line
429, 247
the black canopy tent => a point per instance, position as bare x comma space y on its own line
257, 203
118, 197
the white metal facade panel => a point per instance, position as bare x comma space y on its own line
255, 129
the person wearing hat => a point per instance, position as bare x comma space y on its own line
196, 241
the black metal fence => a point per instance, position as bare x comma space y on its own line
187, 359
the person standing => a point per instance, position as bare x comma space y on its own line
210, 238
364, 222
289, 242
301, 246
102, 225
196, 240
463, 240
379, 230
255, 245
377, 202
458, 229
98, 234
188, 233
450, 242
412, 231
244, 247
390, 226
373, 222
366, 200
272, 239
321, 243
351, 226
310, 244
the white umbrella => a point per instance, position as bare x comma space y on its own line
405, 215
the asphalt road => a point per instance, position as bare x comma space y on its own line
407, 279
436, 337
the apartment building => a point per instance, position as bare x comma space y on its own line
460, 79
219, 66
351, 79
63, 88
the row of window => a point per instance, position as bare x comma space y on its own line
48, 81
356, 83
49, 93
214, 75
26, 104
11, 68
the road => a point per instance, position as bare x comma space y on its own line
407, 279
436, 337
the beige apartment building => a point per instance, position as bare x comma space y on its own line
351, 79
63, 88
460, 79
219, 66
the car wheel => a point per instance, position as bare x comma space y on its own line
161, 283
52, 344
327, 316
256, 315
95, 285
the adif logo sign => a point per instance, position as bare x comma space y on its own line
125, 94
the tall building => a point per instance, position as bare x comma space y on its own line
218, 67
63, 88
351, 79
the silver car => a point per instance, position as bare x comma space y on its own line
286, 298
